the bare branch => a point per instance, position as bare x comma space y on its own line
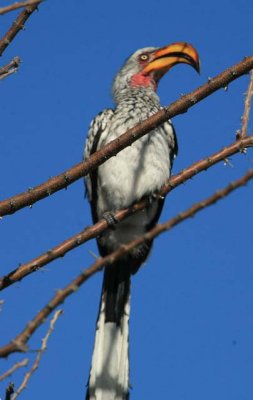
17, 25
19, 343
245, 117
10, 371
39, 355
11, 205
15, 6
10, 68
8, 73
95, 230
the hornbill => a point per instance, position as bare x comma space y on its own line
137, 171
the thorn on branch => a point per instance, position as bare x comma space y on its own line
94, 255
12, 205
67, 179
35, 267
50, 306
193, 100
227, 162
74, 288
78, 241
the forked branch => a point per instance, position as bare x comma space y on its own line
17, 25
10, 68
15, 6
36, 363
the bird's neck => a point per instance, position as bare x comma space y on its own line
137, 95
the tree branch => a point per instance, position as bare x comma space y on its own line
245, 117
15, 6
95, 230
15, 203
19, 343
17, 25
10, 68
10, 371
39, 355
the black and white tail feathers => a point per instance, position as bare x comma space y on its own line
109, 375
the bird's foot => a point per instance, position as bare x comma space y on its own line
111, 219
153, 197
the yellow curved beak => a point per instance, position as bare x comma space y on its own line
166, 57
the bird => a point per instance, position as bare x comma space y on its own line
136, 172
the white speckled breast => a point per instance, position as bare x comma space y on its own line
139, 169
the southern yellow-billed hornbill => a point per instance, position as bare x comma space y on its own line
138, 170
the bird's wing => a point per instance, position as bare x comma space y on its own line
172, 139
99, 126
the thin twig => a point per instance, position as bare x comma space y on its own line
90, 232
10, 68
39, 355
14, 63
245, 117
15, 6
12, 71
10, 371
12, 204
17, 25
19, 343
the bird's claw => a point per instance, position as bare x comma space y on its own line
154, 196
111, 219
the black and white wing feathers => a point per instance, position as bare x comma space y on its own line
99, 127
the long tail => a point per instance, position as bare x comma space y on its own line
109, 375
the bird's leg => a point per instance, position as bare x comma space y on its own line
111, 219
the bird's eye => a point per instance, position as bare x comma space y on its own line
144, 57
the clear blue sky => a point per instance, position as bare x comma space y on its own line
192, 303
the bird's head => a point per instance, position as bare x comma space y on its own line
146, 66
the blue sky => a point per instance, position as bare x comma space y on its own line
192, 303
